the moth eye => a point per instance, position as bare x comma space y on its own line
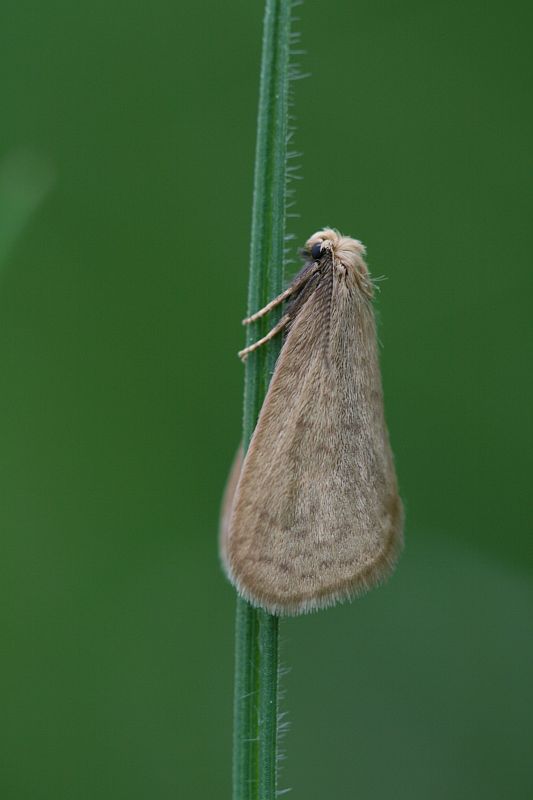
315, 250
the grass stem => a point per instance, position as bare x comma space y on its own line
256, 654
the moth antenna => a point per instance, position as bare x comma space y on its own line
270, 335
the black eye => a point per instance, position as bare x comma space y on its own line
315, 250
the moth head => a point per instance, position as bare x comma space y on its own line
347, 255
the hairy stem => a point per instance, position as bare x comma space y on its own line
256, 667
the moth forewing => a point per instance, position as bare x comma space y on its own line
316, 517
227, 504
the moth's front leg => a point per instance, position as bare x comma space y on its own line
276, 329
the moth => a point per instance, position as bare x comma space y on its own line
312, 515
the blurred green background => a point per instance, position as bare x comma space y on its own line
126, 156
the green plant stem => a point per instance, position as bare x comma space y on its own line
256, 652
244, 713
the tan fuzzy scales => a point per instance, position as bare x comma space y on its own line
313, 516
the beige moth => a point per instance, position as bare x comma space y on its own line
312, 515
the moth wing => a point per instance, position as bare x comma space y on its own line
227, 503
316, 516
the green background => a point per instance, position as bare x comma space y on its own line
129, 128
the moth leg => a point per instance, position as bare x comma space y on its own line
301, 278
276, 329
269, 306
